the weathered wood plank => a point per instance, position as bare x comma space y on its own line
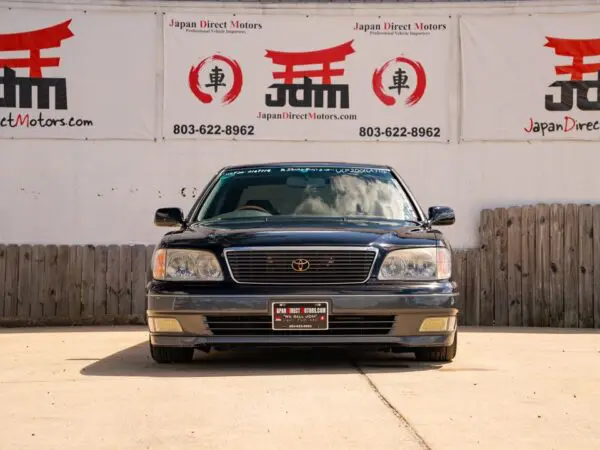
149, 254
457, 272
541, 316
87, 281
528, 239
62, 295
11, 281
487, 269
38, 269
556, 271
112, 280
464, 283
2, 277
24, 286
596, 233
50, 281
586, 261
74, 280
138, 279
124, 292
515, 264
500, 265
100, 289
463, 278
473, 287
571, 263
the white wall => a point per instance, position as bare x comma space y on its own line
101, 192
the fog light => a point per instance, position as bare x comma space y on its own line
164, 325
434, 324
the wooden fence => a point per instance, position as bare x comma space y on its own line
536, 266
71, 285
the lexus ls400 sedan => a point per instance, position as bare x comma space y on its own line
303, 254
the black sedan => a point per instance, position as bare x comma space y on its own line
310, 254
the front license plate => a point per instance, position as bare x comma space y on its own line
300, 316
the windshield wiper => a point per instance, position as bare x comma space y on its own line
233, 219
275, 218
378, 220
209, 221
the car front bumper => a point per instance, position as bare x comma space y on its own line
406, 312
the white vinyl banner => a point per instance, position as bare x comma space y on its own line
530, 77
307, 78
76, 75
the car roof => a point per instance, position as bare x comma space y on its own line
305, 164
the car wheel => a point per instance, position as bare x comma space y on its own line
438, 354
166, 355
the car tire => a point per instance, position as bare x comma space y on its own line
169, 355
438, 354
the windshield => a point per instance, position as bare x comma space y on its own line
315, 192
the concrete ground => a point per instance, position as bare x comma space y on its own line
97, 388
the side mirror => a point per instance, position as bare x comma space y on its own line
168, 217
441, 215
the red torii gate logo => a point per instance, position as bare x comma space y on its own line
576, 49
312, 93
34, 42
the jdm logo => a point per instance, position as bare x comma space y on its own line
215, 75
576, 49
34, 42
312, 92
399, 81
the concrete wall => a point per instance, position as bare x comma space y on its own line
99, 192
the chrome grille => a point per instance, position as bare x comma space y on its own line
283, 265
339, 325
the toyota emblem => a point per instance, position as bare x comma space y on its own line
300, 265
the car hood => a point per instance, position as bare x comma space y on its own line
334, 233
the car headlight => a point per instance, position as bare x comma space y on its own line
418, 264
186, 265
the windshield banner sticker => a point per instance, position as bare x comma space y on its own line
308, 170
545, 88
355, 79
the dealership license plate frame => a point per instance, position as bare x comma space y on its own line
305, 303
